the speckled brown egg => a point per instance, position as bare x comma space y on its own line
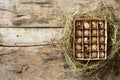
86, 25
78, 47
94, 24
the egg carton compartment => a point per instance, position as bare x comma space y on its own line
86, 32
87, 47
90, 39
78, 24
102, 54
102, 24
94, 40
79, 40
87, 55
94, 24
94, 54
86, 24
78, 32
102, 32
78, 47
94, 47
102, 46
86, 40
79, 55
94, 32
102, 39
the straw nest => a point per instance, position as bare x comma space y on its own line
113, 58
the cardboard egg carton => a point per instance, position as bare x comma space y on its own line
90, 39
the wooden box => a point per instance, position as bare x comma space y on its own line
90, 39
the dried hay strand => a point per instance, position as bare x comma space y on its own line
113, 47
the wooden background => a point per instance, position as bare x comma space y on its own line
31, 34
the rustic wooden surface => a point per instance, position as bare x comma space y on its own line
19, 59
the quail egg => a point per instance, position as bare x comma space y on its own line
79, 55
86, 47
102, 32
79, 32
102, 39
94, 39
86, 25
94, 54
94, 32
86, 32
78, 47
78, 24
94, 47
86, 40
102, 47
86, 55
101, 23
102, 54
94, 24
79, 40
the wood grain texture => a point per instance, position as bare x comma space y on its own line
30, 13
29, 36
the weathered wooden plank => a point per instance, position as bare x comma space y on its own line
5, 12
30, 13
29, 36
31, 27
